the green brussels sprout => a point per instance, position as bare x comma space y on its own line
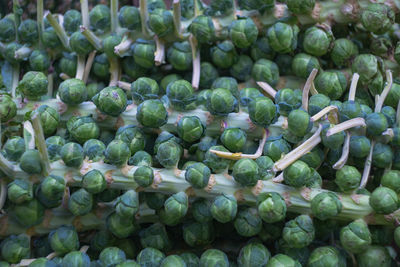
155, 236
141, 158
374, 256
317, 41
121, 227
39, 60
282, 260
397, 236
133, 136
390, 115
143, 53
8, 108
299, 232
265, 70
181, 94
28, 213
297, 174
227, 83
68, 64
180, 56
284, 62
33, 85
111, 101
190, 128
20, 191
300, 6
152, 113
111, 256
247, 95
28, 31
355, 237
169, 153
72, 91
282, 37
314, 158
276, 147
173, 260
382, 155
201, 210
144, 176
246, 172
265, 167
15, 248
262, 49
242, 68
271, 207
287, 100
129, 67
129, 17
203, 29
64, 240
93, 89
165, 136
317, 103
80, 202
94, 182
76, 258
253, 254
54, 145
299, 122
393, 97
7, 29
348, 178
381, 235
175, 208
366, 65
220, 8
359, 146
150, 257
9, 50
331, 83
79, 44
303, 64
261, 5
333, 141
213, 258
101, 66
14, 148
343, 52
72, 21
197, 234
49, 118
31, 162
109, 43
221, 102
161, 22
248, 222
190, 259
198, 175
224, 208
117, 152
262, 111
40, 262
170, 78
215, 163
391, 179
376, 123
127, 205
377, 18
243, 32
384, 200
326, 256
93, 149
380, 45
53, 187
326, 205
154, 200
72, 154
208, 74
100, 18
83, 129
233, 139
349, 110
224, 54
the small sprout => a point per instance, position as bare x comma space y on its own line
181, 94
111, 100
303, 64
314, 158
262, 111
201, 210
248, 222
331, 83
382, 155
133, 136
9, 52
161, 22
167, 79
376, 123
224, 208
326, 256
350, 110
94, 182
72, 91
175, 209
127, 205
39, 60
148, 256
262, 49
271, 207
143, 53
367, 66
54, 145
72, 21
355, 237
93, 149
8, 108
214, 162
326, 205
33, 85
276, 147
198, 175
224, 54
31, 162
208, 74
265, 167
299, 122
117, 153
67, 64
299, 7
144, 176
129, 17
14, 148
384, 200
343, 52
80, 202
141, 158
19, 191
359, 146
203, 29
241, 70
213, 258
28, 31
348, 178
190, 128
221, 102
14, 248
287, 100
299, 232
180, 56
79, 44
49, 118
52, 187
243, 32
282, 260
101, 66
64, 240
282, 37
169, 154
374, 256
333, 141
121, 227
317, 102
7, 29
198, 234
109, 43
152, 113
111, 256
391, 179
246, 95
100, 18
377, 18
155, 236
246, 172
317, 41
254, 254
76, 258
297, 174
265, 70
233, 139
72, 154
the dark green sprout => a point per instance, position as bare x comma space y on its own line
80, 202
331, 83
33, 85
223, 54
15, 248
198, 175
72, 154
284, 62
300, 6
253, 254
326, 205
262, 49
359, 146
221, 102
333, 141
14, 148
72, 21
265, 70
68, 64
326, 256
180, 56
31, 162
83, 129
168, 154
214, 258
132, 136
101, 66
203, 29
49, 118
198, 234
94, 181
8, 108
287, 100
161, 22
299, 232
152, 113
282, 37
167, 79
28, 213
355, 237
54, 145
233, 139
390, 115
243, 32
141, 158
228, 83
111, 100
283, 260
297, 174
111, 256
200, 210
117, 152
144, 176
317, 41
376, 123
7, 29
317, 103
121, 227
382, 155
175, 208
314, 158
265, 165
150, 256
52, 187
127, 205
384, 200
271, 207
181, 94
208, 74
246, 95
93, 149
173, 260
19, 191
79, 44
248, 222
299, 122
349, 110
28, 31
129, 17
39, 60
393, 97
219, 8
374, 256
241, 70
93, 89
377, 18
303, 64
366, 65
343, 52
262, 111
347, 178
224, 208
215, 163
190, 128
391, 179
64, 240
155, 236
100, 18
72, 91
109, 44
76, 258
276, 147
246, 172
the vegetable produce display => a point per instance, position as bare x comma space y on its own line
200, 133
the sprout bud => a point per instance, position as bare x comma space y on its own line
33, 85
224, 208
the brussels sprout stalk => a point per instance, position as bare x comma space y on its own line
39, 18
159, 55
88, 65
114, 15
29, 135
114, 71
385, 92
91, 37
6, 166
306, 89
3, 193
15, 79
356, 122
196, 61
41, 143
299, 151
80, 69
144, 17
353, 87
23, 52
177, 19
267, 88
345, 153
50, 79
367, 167
124, 85
123, 47
85, 13
17, 17
62, 35
329, 109
64, 76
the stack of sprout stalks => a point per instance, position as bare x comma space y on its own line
234, 133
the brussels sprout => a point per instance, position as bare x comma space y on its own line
93, 149
287, 100
132, 136
282, 37
377, 18
94, 181
247, 95
227, 83
262, 49
14, 148
243, 32
271, 207
190, 128
381, 235
76, 258
54, 145
265, 70
359, 146
79, 44
331, 83
326, 256
31, 162
40, 262
213, 258
93, 89
397, 236
169, 153
198, 234
129, 67
144, 176
261, 5
276, 147
72, 21
80, 202
8, 108
72, 154
366, 65
49, 118
141, 158
127, 205
303, 64
152, 113
376, 123
117, 152
317, 41
248, 222
72, 91
109, 43
246, 172
101, 240
349, 110
101, 66
282, 260
299, 232
150, 257
155, 236
382, 155
384, 200
28, 31
203, 29
348, 178
83, 129
161, 22
53, 187
173, 260
355, 237
170, 78
180, 55
121, 227
224, 54
154, 200
7, 29
343, 51
265, 165
390, 115
198, 175
111, 101
314, 158
143, 53
262, 111
111, 256
374, 256
64, 240
215, 163
175, 208
129, 17
253, 254
100, 18
300, 6
20, 191
208, 74
39, 60
241, 70
29, 213
297, 174
299, 122
325, 205
393, 96
333, 141
190, 259
181, 94
224, 208
68, 64
317, 103
33, 85
15, 248
391, 179
233, 139
221, 102
201, 210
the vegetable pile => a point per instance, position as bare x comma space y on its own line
233, 133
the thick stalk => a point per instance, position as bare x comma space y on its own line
144, 13
85, 13
39, 18
307, 87
123, 47
80, 69
88, 66
176, 10
114, 15
91, 37
62, 35
267, 88
385, 92
196, 61
29, 135
114, 71
41, 143
159, 55
356, 122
